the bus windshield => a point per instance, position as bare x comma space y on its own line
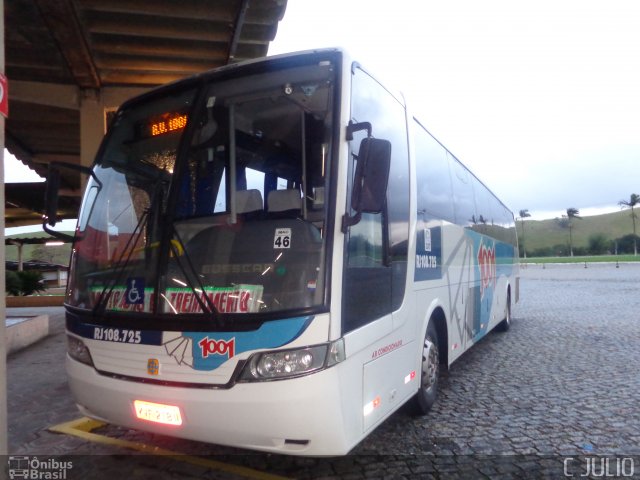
211, 201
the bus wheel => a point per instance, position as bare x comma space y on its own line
430, 372
505, 324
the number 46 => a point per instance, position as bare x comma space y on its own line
282, 238
282, 242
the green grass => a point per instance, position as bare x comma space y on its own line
587, 259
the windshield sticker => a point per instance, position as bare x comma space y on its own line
118, 300
134, 293
237, 299
282, 238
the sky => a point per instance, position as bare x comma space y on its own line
540, 99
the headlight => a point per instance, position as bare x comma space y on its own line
78, 350
280, 364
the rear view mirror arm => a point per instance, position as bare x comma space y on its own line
350, 220
356, 127
52, 194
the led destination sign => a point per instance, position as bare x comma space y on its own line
161, 124
170, 123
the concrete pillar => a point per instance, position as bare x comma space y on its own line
20, 251
91, 125
3, 344
93, 104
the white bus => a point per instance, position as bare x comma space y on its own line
276, 255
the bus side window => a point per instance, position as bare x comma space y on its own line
465, 207
485, 219
433, 178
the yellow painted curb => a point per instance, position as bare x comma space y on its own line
83, 427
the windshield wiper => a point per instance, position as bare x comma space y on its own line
205, 302
121, 264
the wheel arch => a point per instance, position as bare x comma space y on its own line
439, 320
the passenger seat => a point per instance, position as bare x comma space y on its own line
284, 203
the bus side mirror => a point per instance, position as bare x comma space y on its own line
369, 193
52, 195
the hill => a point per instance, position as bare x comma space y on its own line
545, 234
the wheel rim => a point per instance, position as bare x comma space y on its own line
430, 364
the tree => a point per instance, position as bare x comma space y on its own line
43, 253
32, 282
524, 214
626, 243
598, 244
634, 200
26, 282
13, 284
571, 214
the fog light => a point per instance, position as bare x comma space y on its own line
78, 350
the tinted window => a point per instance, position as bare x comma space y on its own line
484, 217
435, 195
463, 194
507, 226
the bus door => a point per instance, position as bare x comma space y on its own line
375, 267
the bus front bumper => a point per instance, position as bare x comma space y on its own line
301, 416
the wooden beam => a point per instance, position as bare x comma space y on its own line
47, 158
127, 63
135, 26
65, 27
217, 11
159, 48
15, 218
237, 30
139, 78
52, 94
28, 111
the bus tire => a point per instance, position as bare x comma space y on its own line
429, 373
505, 324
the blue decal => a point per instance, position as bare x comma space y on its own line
212, 349
504, 259
134, 294
428, 254
492, 259
484, 251
113, 334
209, 349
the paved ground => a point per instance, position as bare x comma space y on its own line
562, 384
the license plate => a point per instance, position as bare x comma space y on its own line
157, 412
